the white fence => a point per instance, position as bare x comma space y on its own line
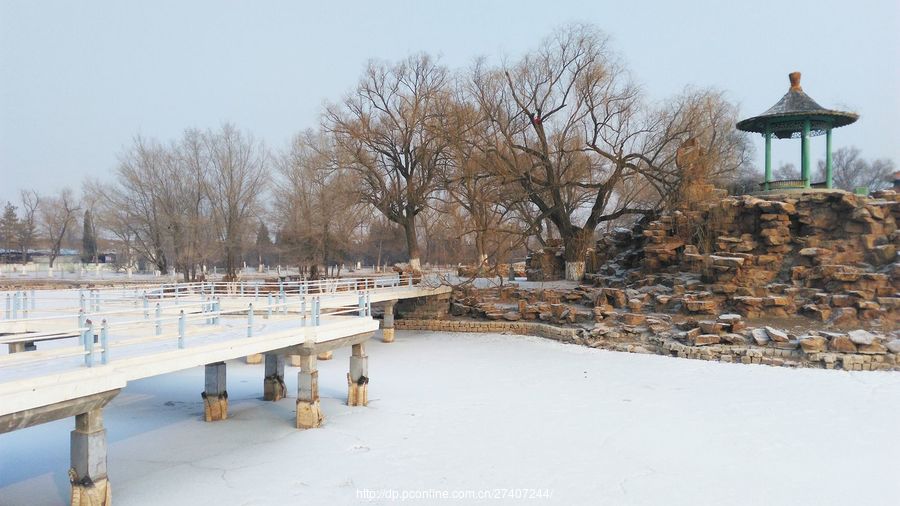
174, 313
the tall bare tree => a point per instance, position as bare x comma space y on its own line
58, 214
113, 219
193, 220
315, 202
237, 178
475, 186
27, 231
571, 128
389, 128
140, 195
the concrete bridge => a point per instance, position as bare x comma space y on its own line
72, 351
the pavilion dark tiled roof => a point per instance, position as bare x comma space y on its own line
785, 118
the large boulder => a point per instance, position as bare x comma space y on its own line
861, 337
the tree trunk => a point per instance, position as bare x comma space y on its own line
576, 245
231, 262
412, 244
480, 249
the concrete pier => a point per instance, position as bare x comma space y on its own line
358, 378
387, 324
309, 413
273, 384
90, 484
215, 397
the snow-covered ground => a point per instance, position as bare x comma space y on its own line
471, 412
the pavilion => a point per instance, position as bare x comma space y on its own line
797, 115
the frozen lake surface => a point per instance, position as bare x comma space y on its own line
463, 412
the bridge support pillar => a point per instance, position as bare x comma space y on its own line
358, 378
90, 484
309, 413
215, 397
16, 347
273, 384
387, 324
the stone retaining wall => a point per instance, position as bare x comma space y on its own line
743, 353
522, 328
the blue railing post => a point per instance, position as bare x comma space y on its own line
89, 344
81, 299
104, 342
181, 329
269, 306
318, 312
303, 310
8, 306
217, 308
250, 320
81, 324
158, 319
362, 304
255, 292
283, 303
146, 307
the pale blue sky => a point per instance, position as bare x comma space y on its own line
79, 79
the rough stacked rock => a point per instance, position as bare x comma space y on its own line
834, 252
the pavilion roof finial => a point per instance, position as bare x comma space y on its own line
795, 81
785, 119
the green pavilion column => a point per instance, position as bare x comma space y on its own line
828, 173
804, 154
768, 158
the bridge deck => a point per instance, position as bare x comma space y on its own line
136, 349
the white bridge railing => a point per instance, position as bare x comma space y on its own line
105, 319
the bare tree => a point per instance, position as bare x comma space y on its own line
315, 202
140, 197
389, 129
571, 128
58, 214
850, 170
786, 172
192, 221
237, 178
474, 185
27, 231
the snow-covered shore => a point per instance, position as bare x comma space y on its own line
461, 412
